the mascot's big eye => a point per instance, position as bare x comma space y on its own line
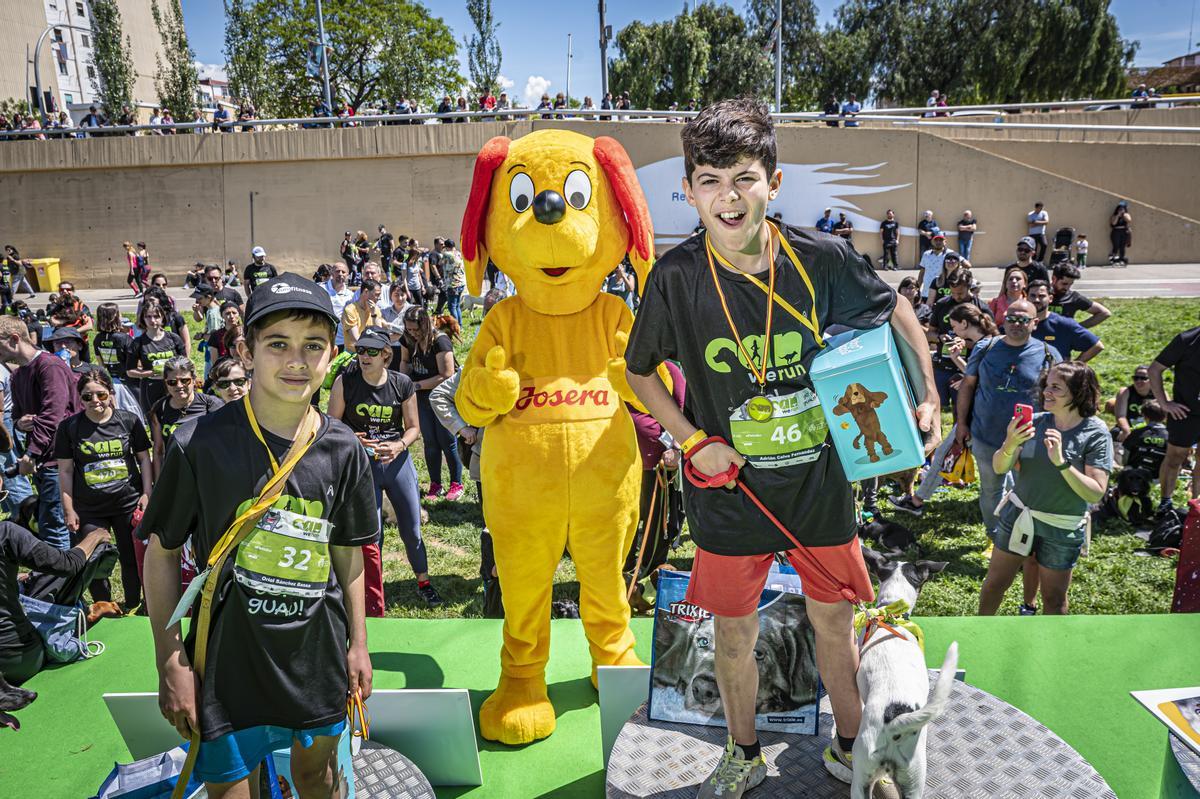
520, 192
578, 189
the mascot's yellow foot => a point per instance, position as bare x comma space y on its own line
630, 658
517, 712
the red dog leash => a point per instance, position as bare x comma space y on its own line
730, 475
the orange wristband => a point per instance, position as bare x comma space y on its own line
694, 439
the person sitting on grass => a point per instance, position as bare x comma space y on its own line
22, 650
1063, 459
1146, 447
289, 598
1127, 405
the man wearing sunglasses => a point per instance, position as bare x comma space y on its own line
1001, 374
221, 293
1033, 270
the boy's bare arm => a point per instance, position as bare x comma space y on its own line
348, 565
919, 366
178, 687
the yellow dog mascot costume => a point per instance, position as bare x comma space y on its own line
556, 211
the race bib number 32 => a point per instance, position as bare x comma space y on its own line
287, 553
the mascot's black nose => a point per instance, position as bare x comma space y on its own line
549, 207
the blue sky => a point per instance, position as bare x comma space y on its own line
533, 34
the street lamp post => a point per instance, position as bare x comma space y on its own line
568, 70
37, 63
324, 58
778, 56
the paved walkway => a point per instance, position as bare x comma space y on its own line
1161, 280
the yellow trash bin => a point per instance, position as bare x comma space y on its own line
45, 276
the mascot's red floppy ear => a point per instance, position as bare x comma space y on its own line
474, 249
621, 176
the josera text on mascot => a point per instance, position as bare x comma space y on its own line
556, 211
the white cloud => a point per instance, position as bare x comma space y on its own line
505, 83
535, 87
211, 71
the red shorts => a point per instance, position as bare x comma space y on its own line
731, 585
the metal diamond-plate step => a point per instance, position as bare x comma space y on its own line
383, 773
980, 748
1189, 761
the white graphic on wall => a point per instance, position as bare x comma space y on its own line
808, 189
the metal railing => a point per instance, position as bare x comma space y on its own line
897, 116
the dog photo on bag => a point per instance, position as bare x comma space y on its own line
683, 682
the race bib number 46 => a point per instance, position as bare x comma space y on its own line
287, 553
794, 433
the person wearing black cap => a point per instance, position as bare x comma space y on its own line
289, 602
380, 406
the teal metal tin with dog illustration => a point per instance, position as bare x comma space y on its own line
865, 396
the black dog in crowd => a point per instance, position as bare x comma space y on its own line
888, 536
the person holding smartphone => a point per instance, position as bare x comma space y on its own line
1062, 459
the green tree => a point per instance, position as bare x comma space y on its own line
380, 50
176, 81
841, 67
246, 56
111, 56
989, 50
483, 48
801, 47
736, 64
641, 67
686, 52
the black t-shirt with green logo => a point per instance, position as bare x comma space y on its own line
106, 476
146, 353
256, 274
1070, 303
793, 468
112, 350
376, 410
277, 647
169, 417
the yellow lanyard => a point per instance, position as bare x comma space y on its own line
760, 373
812, 322
266, 496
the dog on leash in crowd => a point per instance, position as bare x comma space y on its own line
894, 684
893, 538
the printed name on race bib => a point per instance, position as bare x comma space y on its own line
286, 554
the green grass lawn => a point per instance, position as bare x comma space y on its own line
1111, 579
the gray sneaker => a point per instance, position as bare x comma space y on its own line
734, 775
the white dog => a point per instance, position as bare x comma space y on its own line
894, 684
